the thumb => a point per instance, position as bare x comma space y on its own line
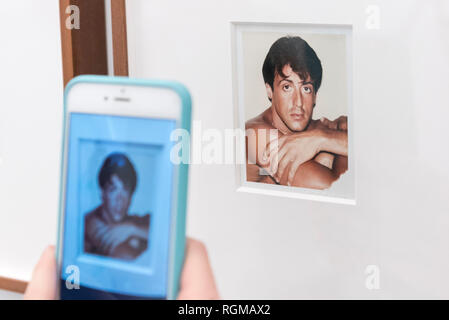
43, 281
197, 279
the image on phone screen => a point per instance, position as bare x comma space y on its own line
117, 207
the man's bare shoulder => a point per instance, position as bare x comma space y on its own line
260, 122
93, 220
93, 215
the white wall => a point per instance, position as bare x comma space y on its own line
260, 247
267, 247
31, 91
8, 295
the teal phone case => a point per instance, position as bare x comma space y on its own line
178, 233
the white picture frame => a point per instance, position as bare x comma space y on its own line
343, 193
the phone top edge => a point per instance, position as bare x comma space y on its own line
174, 85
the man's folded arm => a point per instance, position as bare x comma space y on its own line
260, 141
334, 141
314, 175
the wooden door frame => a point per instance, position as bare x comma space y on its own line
84, 51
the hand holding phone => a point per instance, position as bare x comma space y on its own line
197, 280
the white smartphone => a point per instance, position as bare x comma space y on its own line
123, 191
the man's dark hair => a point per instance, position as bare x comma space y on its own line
119, 164
297, 53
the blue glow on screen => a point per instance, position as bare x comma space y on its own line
136, 265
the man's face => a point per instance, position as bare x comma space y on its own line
116, 198
293, 99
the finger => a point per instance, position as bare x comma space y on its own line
274, 145
330, 124
197, 279
43, 281
292, 172
343, 123
105, 240
273, 163
276, 156
116, 239
325, 121
285, 159
333, 125
108, 241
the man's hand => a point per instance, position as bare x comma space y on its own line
118, 234
293, 150
341, 123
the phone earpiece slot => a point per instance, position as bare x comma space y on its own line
122, 99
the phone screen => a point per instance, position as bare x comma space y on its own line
117, 209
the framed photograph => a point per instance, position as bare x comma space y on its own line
292, 86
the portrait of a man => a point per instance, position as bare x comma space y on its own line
284, 144
109, 229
